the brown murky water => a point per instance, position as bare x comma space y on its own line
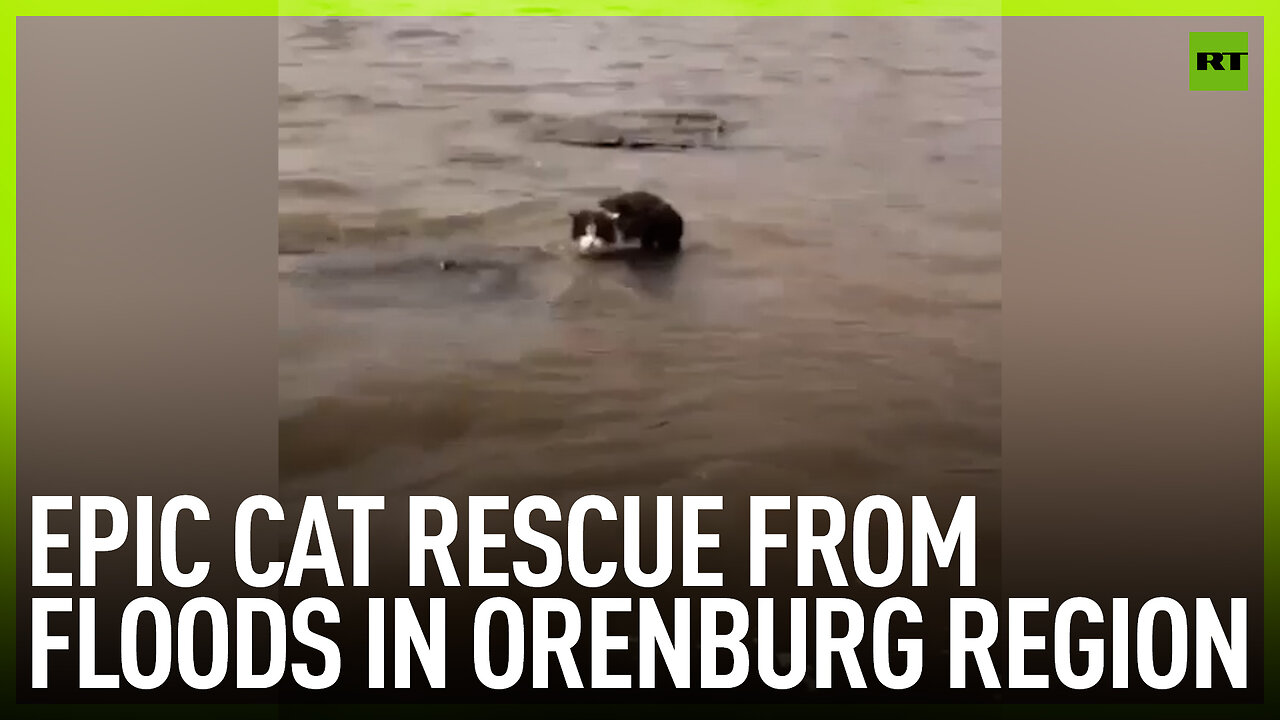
834, 325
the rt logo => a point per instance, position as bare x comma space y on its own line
1219, 61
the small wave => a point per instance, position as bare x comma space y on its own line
308, 232
457, 262
719, 99
962, 24
527, 88
908, 304
472, 277
302, 124
354, 101
703, 45
482, 158
937, 72
633, 129
512, 116
331, 34
315, 187
979, 220
957, 264
301, 233
790, 77
397, 105
477, 88
290, 97
469, 65
447, 38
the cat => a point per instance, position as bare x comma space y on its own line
634, 218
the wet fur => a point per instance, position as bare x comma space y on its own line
636, 217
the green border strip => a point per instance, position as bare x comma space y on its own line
8, 266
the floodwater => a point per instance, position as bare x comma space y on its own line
832, 328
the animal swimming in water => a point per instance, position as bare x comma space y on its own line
634, 218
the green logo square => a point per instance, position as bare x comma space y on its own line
1219, 61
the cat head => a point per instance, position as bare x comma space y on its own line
591, 229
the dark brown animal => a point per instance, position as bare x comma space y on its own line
644, 217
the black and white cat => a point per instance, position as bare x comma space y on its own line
634, 219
